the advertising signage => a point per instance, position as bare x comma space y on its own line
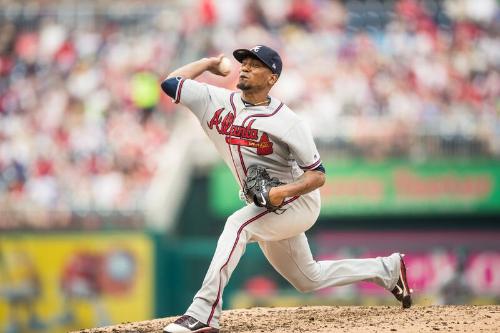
390, 187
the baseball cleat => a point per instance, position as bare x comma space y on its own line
402, 291
188, 324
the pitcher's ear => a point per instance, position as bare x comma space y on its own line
273, 78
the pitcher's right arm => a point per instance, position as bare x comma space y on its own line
181, 87
196, 68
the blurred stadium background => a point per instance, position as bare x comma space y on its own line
111, 199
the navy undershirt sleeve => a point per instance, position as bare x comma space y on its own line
320, 168
169, 86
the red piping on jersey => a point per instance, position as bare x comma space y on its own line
241, 160
229, 146
232, 103
237, 174
179, 88
312, 166
263, 114
232, 250
239, 148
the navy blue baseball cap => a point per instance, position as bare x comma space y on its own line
267, 55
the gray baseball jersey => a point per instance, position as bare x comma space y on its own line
274, 137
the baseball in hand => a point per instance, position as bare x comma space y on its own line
225, 66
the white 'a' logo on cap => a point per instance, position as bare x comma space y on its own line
256, 48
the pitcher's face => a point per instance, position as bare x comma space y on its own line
254, 75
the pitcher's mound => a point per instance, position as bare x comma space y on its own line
333, 319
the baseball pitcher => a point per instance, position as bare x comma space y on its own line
274, 159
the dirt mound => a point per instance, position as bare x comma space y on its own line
334, 319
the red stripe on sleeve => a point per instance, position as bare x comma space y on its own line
312, 166
179, 89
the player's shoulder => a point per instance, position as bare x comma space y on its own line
285, 112
210, 88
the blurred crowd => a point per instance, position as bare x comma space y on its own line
81, 114
378, 79
421, 86
82, 118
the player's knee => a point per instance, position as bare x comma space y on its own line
303, 286
234, 226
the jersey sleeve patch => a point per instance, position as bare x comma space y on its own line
173, 87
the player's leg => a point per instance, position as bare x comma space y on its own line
292, 258
207, 303
250, 223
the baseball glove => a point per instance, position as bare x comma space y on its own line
257, 186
